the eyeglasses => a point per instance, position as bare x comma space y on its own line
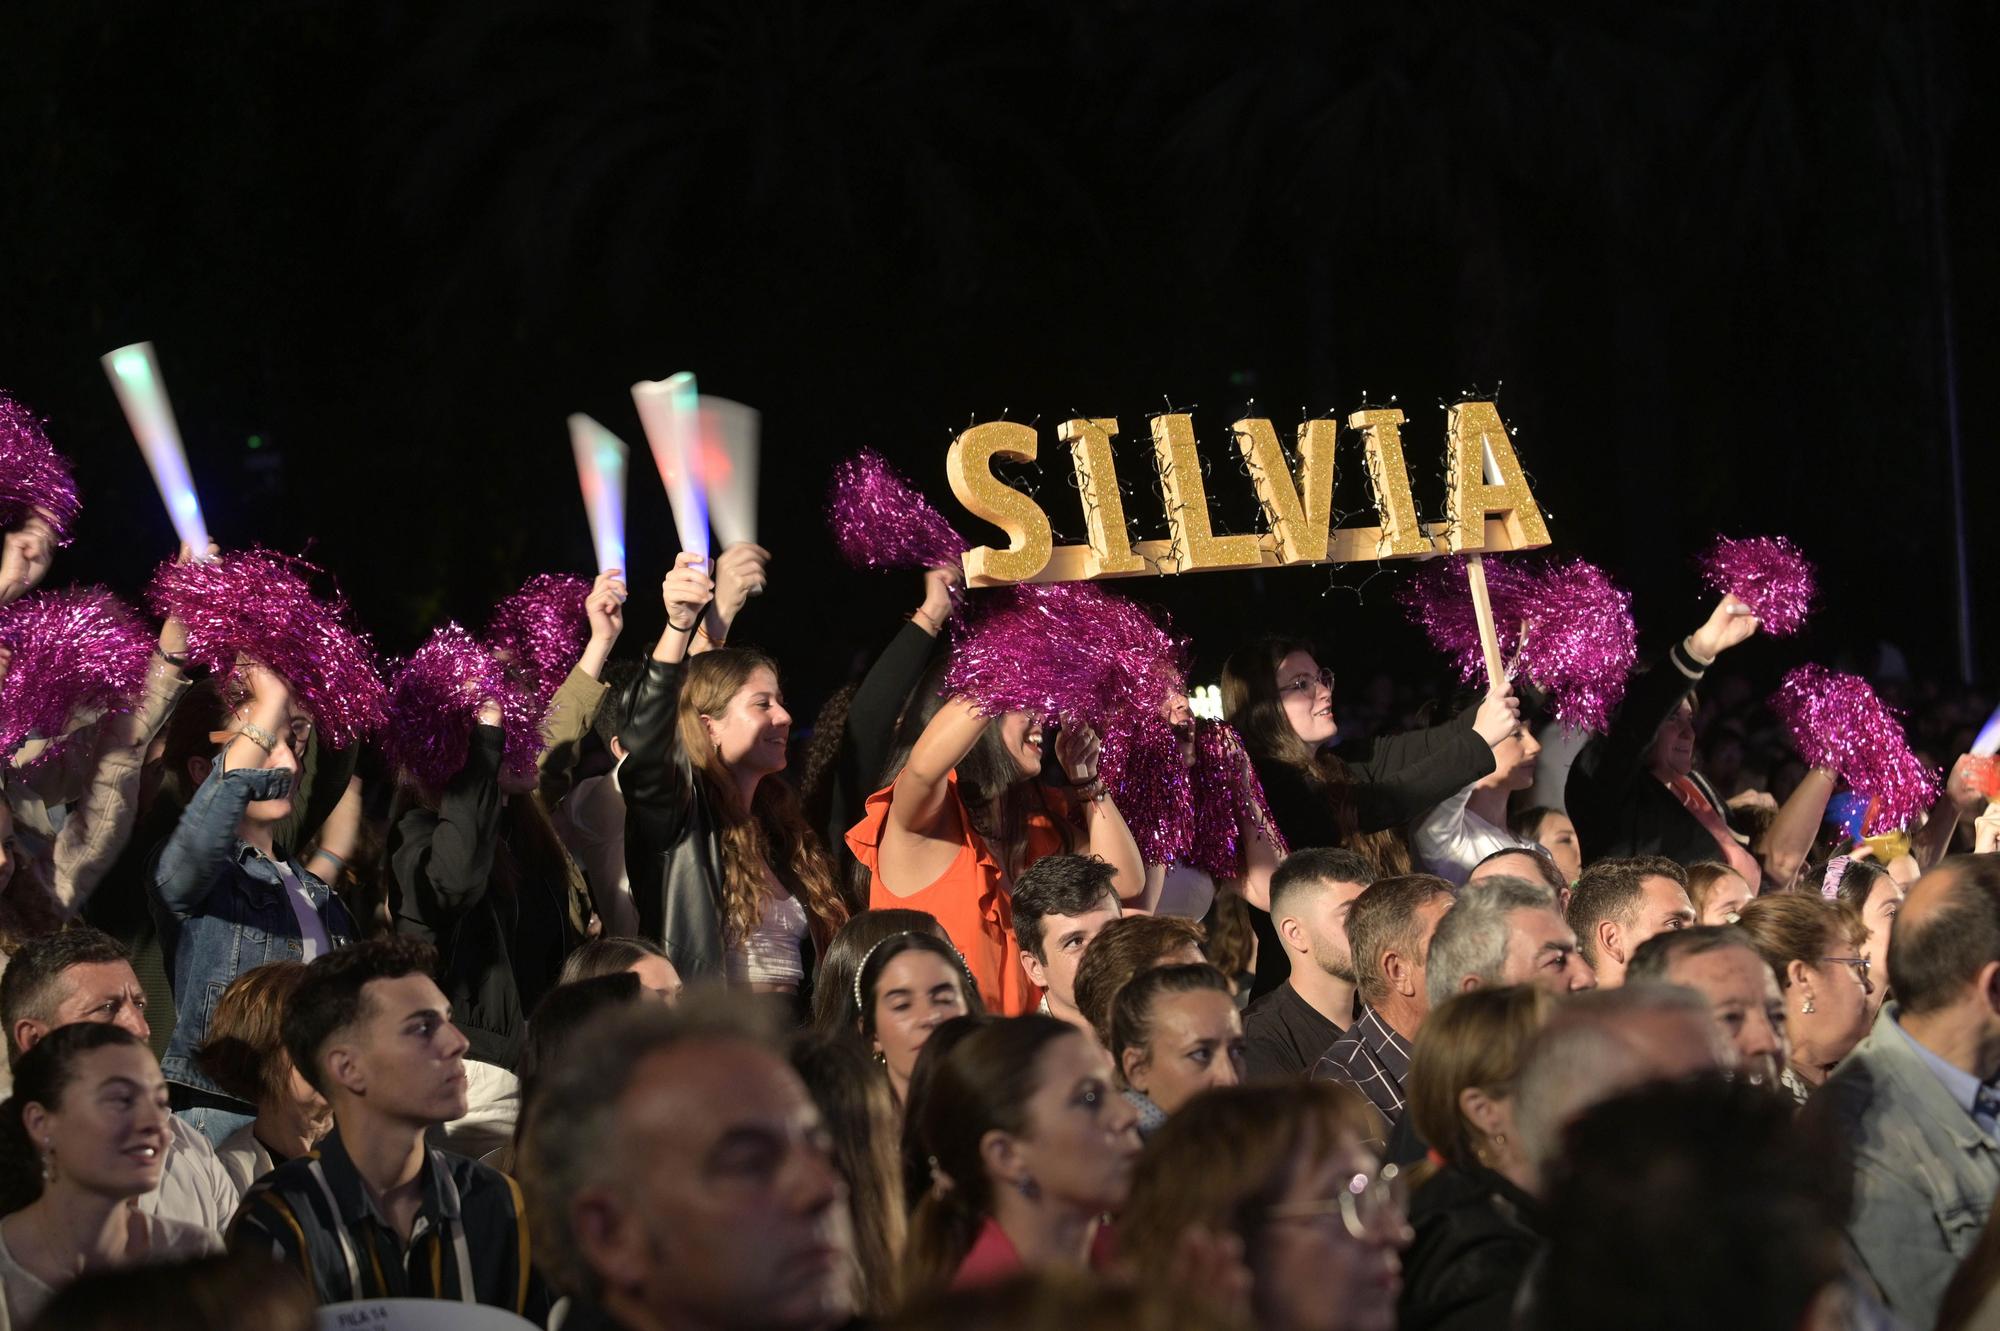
1372, 1207
1304, 683
1861, 968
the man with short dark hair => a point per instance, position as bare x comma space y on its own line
81, 974
1534, 864
1287, 1030
678, 1175
1389, 930
1618, 904
1060, 903
1916, 1098
1720, 963
374, 1212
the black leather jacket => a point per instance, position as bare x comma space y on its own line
673, 839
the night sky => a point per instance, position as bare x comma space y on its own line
1706, 251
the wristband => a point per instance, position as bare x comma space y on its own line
683, 628
178, 660
257, 735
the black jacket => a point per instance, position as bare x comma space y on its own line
1619, 807
1395, 778
500, 949
868, 737
1475, 1235
673, 839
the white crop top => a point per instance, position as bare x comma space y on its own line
772, 952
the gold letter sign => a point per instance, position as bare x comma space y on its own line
1488, 506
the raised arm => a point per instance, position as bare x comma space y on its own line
1621, 756
740, 573
919, 803
443, 863
1789, 839
205, 837
1077, 750
869, 733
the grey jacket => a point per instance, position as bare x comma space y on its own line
1924, 1172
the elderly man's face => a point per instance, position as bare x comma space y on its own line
725, 1209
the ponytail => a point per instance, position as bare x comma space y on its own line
20, 1162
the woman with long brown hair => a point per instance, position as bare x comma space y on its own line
963, 811
726, 872
1280, 700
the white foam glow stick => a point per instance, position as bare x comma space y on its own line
601, 457
669, 410
135, 376
729, 432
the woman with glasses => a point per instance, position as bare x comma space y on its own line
1280, 700
1476, 1223
1281, 1171
1029, 1147
1815, 946
227, 893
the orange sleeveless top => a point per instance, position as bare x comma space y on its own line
972, 898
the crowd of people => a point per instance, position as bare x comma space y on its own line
699, 1017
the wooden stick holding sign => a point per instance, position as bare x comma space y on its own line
1485, 477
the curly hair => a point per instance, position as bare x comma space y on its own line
773, 832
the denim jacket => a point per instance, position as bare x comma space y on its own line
221, 907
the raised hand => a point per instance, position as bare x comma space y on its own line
1077, 749
740, 573
1729, 623
25, 556
605, 606
1499, 715
937, 608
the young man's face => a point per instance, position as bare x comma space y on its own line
1064, 937
403, 1057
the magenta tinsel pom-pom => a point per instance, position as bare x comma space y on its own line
434, 702
75, 649
1067, 650
433, 699
32, 474
880, 520
542, 630
257, 604
1142, 767
1227, 794
1767, 573
1837, 722
1564, 624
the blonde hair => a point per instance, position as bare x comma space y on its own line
1475, 1040
773, 832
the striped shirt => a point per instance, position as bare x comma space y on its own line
1374, 1060
469, 1242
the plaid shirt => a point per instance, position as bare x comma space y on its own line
1371, 1058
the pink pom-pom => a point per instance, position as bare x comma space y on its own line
1580, 644
257, 604
72, 650
1227, 795
1564, 624
434, 702
1837, 722
33, 476
1766, 573
1142, 766
1065, 650
880, 520
541, 630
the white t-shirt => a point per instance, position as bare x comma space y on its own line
312, 929
155, 1240
194, 1187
